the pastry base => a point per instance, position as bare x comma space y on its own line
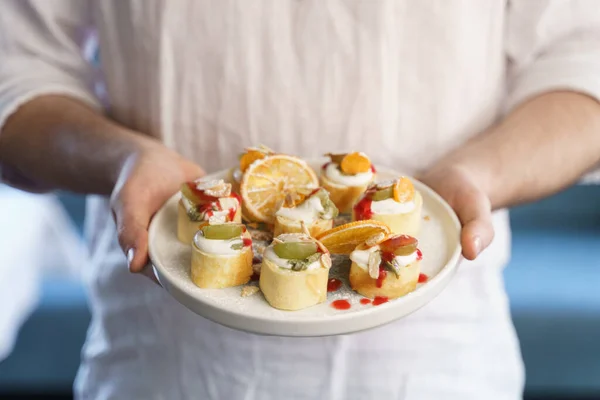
407, 224
219, 271
186, 228
392, 287
292, 290
344, 197
286, 225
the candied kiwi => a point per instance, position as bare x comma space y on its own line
222, 232
383, 194
295, 250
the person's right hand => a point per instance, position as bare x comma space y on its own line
146, 181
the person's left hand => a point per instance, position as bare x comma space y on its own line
458, 186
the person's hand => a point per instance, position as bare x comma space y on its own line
147, 180
459, 187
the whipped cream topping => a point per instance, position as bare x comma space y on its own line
307, 212
361, 258
219, 211
284, 263
334, 174
217, 247
391, 206
270, 254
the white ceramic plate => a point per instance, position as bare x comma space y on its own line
438, 240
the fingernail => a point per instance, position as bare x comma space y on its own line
130, 255
477, 244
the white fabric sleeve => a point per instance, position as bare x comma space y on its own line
40, 52
553, 45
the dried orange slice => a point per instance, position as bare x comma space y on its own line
252, 154
268, 181
355, 163
344, 238
404, 191
248, 158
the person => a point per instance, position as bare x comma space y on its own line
490, 103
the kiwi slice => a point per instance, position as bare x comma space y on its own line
295, 250
222, 232
383, 194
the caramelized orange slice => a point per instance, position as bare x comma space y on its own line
248, 158
268, 181
355, 163
344, 238
404, 191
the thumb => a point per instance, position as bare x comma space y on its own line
192, 171
474, 211
132, 227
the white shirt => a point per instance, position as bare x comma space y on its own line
403, 81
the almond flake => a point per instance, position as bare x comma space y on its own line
207, 184
249, 290
304, 229
277, 240
322, 247
326, 260
374, 261
223, 190
290, 200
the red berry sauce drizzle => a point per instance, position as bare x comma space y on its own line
379, 300
333, 285
341, 304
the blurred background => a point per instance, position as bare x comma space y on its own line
553, 282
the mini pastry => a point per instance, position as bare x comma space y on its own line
221, 256
395, 203
316, 211
346, 177
385, 266
248, 157
205, 201
294, 272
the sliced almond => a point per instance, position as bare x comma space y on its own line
322, 247
326, 260
249, 290
305, 229
223, 190
374, 261
290, 200
207, 184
